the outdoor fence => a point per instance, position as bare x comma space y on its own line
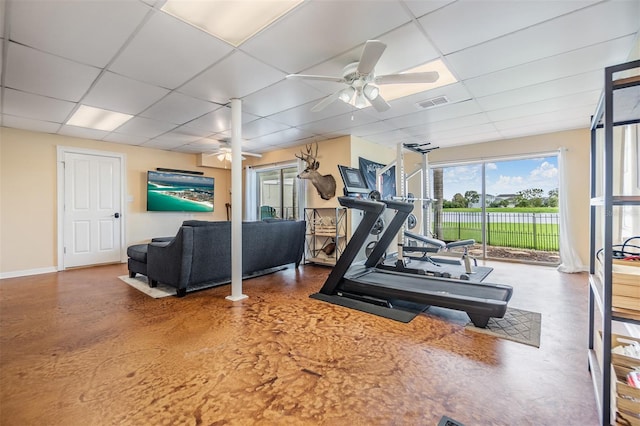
538, 231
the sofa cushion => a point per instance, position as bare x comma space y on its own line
138, 252
198, 223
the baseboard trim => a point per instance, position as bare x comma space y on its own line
27, 272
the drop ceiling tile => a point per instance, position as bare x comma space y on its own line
409, 104
463, 24
167, 52
190, 131
29, 124
235, 76
90, 32
205, 143
302, 114
219, 120
588, 99
463, 131
145, 127
125, 139
371, 129
391, 138
548, 39
82, 132
36, 72
340, 124
163, 144
592, 58
261, 127
552, 89
579, 113
486, 136
407, 47
430, 129
190, 149
544, 127
178, 108
279, 97
117, 93
432, 115
421, 7
347, 24
282, 137
171, 140
35, 107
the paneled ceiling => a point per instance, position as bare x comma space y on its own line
523, 67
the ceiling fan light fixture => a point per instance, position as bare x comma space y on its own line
370, 91
360, 101
346, 94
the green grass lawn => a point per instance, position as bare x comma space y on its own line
519, 235
538, 236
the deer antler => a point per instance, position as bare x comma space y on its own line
308, 158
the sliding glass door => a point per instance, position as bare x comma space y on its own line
277, 193
510, 207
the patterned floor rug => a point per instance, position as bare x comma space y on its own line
140, 283
518, 325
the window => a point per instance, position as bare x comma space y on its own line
274, 192
510, 207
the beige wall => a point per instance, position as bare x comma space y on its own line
28, 197
577, 143
28, 208
330, 153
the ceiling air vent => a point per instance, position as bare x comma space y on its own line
433, 102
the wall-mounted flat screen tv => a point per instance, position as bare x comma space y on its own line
176, 192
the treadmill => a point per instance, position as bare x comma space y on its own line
396, 295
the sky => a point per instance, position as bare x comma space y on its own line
503, 177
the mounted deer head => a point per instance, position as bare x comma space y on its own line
325, 185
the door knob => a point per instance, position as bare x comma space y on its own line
117, 215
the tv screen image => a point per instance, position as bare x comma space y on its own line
175, 192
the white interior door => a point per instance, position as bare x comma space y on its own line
92, 209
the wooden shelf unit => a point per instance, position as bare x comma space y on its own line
325, 226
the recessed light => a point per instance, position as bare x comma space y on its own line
97, 118
232, 21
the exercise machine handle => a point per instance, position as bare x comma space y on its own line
361, 204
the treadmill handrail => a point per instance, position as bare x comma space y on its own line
361, 204
372, 210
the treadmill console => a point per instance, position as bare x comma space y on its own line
354, 182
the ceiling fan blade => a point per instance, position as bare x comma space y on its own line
370, 55
326, 101
317, 77
379, 104
416, 77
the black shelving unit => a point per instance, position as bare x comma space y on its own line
617, 107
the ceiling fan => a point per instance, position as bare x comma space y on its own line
363, 83
224, 152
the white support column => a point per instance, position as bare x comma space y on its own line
400, 192
236, 201
427, 202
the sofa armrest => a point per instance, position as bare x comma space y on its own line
162, 239
170, 262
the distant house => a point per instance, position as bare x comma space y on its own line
488, 199
509, 198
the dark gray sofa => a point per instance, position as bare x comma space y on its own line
199, 256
